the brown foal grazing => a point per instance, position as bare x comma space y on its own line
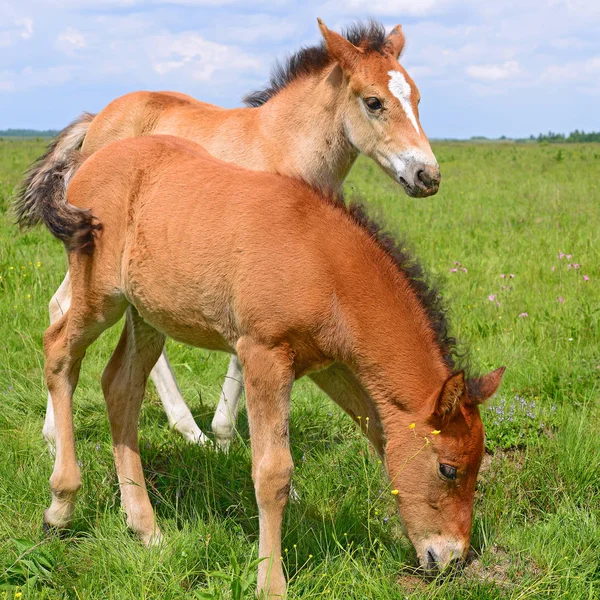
323, 107
295, 284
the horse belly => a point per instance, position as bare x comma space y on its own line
192, 307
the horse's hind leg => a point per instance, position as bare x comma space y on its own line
178, 412
59, 305
65, 344
124, 382
223, 423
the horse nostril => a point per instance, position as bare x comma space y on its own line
423, 178
428, 178
432, 560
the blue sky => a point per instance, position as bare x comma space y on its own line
484, 67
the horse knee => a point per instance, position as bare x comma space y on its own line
273, 477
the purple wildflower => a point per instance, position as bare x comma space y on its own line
523, 314
586, 278
502, 275
561, 299
491, 297
454, 270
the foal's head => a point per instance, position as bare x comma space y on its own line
433, 458
382, 112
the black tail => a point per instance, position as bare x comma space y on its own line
42, 196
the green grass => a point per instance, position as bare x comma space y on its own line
502, 209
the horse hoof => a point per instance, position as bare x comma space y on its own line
52, 531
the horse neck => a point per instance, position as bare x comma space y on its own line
303, 127
382, 332
386, 377
344, 388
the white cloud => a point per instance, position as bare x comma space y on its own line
202, 58
30, 77
14, 30
70, 39
263, 28
418, 8
583, 71
508, 70
27, 25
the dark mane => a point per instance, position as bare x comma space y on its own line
313, 59
427, 292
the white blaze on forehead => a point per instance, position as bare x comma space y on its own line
401, 89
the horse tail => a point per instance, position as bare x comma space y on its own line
42, 196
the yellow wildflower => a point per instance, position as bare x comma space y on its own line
412, 426
395, 492
436, 432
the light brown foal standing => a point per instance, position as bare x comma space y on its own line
293, 282
323, 107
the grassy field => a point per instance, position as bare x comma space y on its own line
494, 236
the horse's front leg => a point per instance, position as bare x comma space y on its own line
269, 375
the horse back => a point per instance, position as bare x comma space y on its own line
205, 250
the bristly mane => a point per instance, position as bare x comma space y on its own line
369, 36
425, 290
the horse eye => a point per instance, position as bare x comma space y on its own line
373, 103
448, 472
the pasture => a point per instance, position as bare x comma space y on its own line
513, 238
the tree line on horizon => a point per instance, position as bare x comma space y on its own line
29, 133
550, 137
574, 137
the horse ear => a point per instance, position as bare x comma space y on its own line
482, 388
449, 398
339, 48
394, 42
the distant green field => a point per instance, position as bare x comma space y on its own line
493, 236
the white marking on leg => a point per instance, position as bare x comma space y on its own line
178, 412
59, 304
401, 89
225, 418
